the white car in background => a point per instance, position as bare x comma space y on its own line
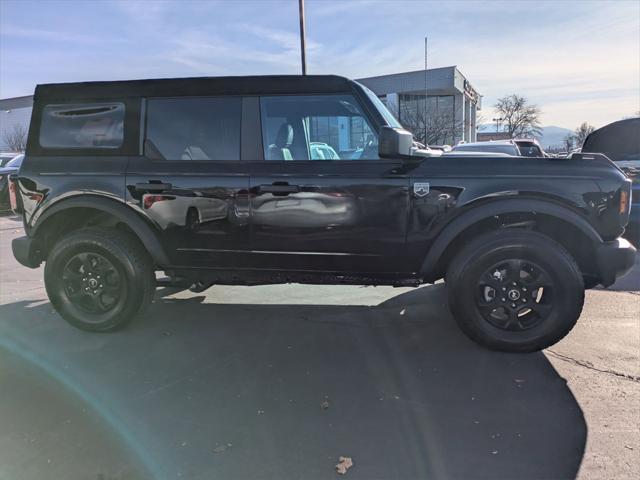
184, 209
5, 157
529, 147
507, 147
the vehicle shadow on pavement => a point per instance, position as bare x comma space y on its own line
628, 283
281, 391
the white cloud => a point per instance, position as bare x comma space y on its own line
214, 55
278, 38
143, 11
48, 35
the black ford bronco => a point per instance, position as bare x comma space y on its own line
309, 179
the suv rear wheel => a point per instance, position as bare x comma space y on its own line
516, 291
99, 279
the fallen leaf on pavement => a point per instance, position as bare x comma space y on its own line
324, 404
344, 464
222, 448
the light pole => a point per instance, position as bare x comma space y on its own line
302, 45
497, 120
426, 93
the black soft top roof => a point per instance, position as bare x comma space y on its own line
271, 84
619, 140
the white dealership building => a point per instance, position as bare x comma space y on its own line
451, 108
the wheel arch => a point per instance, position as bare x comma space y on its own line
550, 218
87, 209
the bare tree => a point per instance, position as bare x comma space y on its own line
441, 127
569, 141
518, 117
16, 139
582, 132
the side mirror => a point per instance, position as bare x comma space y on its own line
394, 142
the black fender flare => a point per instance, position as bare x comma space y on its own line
501, 207
140, 227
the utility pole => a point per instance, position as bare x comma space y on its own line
302, 43
426, 96
497, 120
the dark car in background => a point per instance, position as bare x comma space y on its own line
620, 141
11, 167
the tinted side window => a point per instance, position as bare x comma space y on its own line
316, 127
193, 128
90, 125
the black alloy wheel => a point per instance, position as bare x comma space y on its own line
93, 283
514, 295
515, 290
99, 279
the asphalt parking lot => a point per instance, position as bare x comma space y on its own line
279, 381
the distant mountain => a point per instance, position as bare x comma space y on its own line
551, 136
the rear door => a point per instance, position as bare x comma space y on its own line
322, 200
190, 180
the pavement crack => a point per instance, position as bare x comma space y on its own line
590, 366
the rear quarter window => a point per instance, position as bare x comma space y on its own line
200, 128
82, 126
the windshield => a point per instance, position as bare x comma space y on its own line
381, 107
16, 161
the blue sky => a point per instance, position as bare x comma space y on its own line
578, 60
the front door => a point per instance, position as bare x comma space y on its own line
322, 200
191, 182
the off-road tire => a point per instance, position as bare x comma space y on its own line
463, 279
133, 267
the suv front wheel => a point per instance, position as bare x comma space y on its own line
516, 291
99, 279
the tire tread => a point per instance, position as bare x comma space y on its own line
466, 256
118, 243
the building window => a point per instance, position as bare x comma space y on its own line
89, 125
193, 128
441, 126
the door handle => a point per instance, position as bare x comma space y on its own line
153, 187
279, 189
